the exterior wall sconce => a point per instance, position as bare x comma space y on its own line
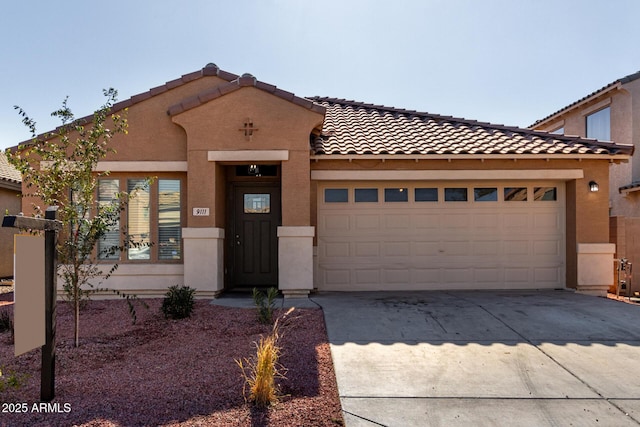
593, 186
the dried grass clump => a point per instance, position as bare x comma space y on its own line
261, 371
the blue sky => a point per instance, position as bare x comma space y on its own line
502, 61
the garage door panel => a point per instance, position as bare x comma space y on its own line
426, 276
335, 222
549, 221
367, 222
518, 275
397, 221
336, 249
427, 221
367, 276
428, 248
336, 278
441, 245
457, 247
516, 247
488, 275
397, 249
546, 247
519, 220
393, 276
457, 275
545, 275
456, 221
486, 247
367, 249
487, 220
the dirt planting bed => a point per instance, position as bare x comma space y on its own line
170, 372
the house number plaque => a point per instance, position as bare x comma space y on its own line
200, 211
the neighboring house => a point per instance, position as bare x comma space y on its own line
611, 113
10, 201
258, 187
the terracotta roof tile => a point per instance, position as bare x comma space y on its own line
245, 80
8, 173
355, 128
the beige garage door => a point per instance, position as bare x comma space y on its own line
462, 235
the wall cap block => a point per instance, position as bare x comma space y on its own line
203, 233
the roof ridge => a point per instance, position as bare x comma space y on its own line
494, 126
210, 69
245, 80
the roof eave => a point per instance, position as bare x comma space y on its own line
617, 85
208, 70
11, 185
451, 157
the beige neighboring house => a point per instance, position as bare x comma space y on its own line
256, 186
10, 201
611, 113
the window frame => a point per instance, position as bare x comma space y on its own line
598, 113
154, 221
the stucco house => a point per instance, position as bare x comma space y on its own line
256, 186
611, 113
10, 188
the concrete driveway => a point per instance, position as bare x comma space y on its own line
503, 358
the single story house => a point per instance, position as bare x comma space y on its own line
256, 186
10, 202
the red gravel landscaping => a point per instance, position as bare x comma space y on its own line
171, 372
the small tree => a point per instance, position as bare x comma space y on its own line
59, 170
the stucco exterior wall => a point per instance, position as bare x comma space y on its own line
281, 125
10, 201
625, 129
151, 133
633, 89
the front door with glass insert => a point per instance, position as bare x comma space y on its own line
253, 240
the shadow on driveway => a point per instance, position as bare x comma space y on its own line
484, 358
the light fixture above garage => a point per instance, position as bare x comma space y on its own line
593, 186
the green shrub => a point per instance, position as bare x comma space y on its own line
265, 304
178, 302
11, 379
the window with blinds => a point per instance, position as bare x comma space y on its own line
169, 225
108, 246
138, 221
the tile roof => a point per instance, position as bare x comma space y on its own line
244, 81
234, 82
626, 79
355, 128
210, 69
8, 174
634, 186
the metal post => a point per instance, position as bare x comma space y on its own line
48, 374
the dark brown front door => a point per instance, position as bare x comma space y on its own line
253, 236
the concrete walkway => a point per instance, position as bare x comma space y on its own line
504, 358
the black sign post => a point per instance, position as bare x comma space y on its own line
50, 225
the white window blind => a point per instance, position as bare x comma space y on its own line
138, 224
169, 228
108, 246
